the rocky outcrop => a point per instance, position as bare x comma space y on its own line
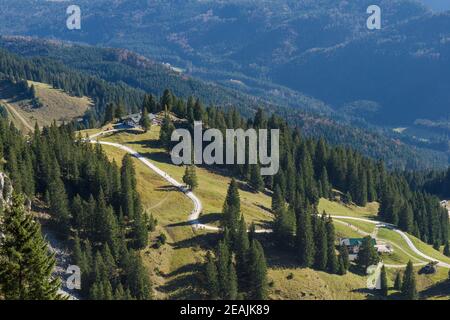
6, 190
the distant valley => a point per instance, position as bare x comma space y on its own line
315, 56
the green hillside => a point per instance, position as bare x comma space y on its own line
176, 263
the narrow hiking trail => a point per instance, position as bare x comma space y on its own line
194, 216
16, 113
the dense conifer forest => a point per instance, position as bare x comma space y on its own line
96, 208
110, 75
93, 203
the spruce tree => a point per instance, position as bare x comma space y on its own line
165, 134
59, 202
344, 257
242, 245
232, 280
137, 277
332, 261
367, 255
277, 199
406, 218
321, 245
128, 186
167, 100
341, 267
190, 177
26, 266
256, 180
384, 287
447, 249
409, 286
119, 293
304, 238
232, 208
398, 282
109, 113
284, 226
145, 121
258, 272
326, 187
212, 281
120, 110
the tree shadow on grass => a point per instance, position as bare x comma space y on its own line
370, 294
205, 241
186, 283
167, 188
210, 218
439, 290
267, 210
160, 157
151, 144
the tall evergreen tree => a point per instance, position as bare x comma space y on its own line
409, 286
384, 286
165, 133
277, 199
242, 245
190, 177
212, 281
304, 239
398, 282
256, 181
25, 263
367, 254
447, 249
109, 113
284, 226
258, 272
232, 208
145, 120
344, 257
332, 261
321, 244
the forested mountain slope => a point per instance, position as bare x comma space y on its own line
117, 75
302, 45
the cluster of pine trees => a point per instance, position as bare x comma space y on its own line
311, 168
190, 177
76, 83
91, 200
311, 237
26, 265
434, 182
238, 270
416, 212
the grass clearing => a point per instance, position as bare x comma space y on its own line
212, 185
176, 261
335, 208
174, 267
396, 239
57, 106
365, 227
428, 250
307, 284
343, 231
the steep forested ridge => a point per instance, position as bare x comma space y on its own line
129, 74
310, 168
55, 73
94, 205
305, 46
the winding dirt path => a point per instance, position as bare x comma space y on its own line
195, 213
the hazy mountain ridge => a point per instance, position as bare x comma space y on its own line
111, 65
284, 51
313, 55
